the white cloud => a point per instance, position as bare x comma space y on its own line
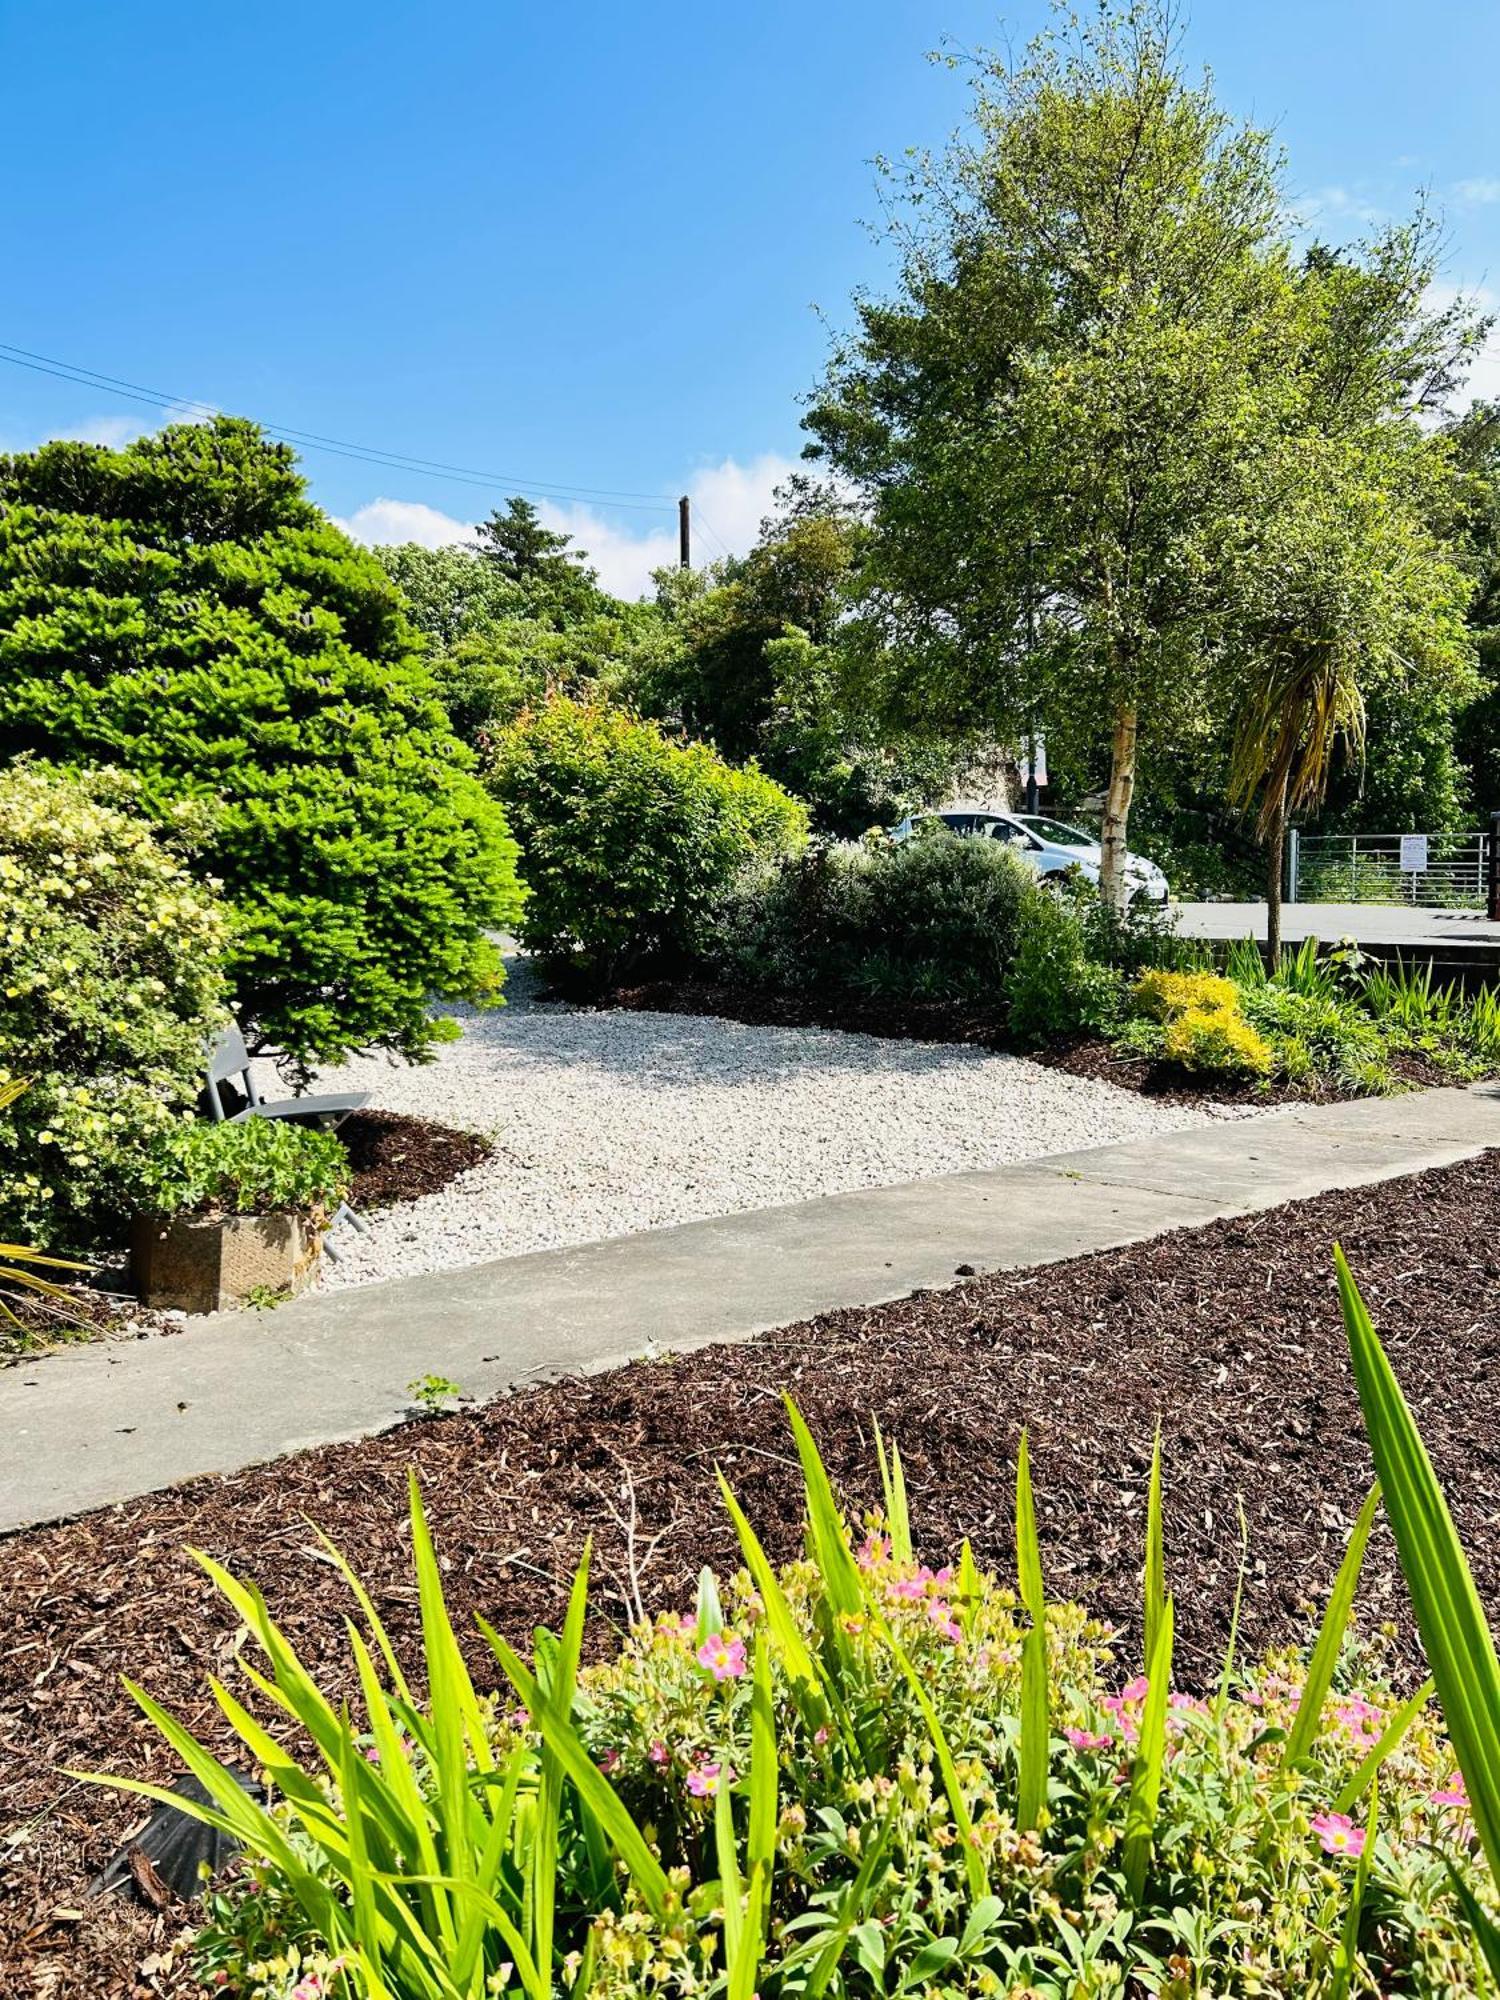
1338, 204
1485, 189
405, 521
729, 502
1483, 379
113, 431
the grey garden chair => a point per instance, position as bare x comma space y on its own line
230, 1063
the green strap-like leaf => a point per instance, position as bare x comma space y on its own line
1347, 1954
1150, 1760
1320, 1669
1155, 1579
1450, 1618
1390, 1736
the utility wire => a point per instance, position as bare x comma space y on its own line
137, 392
703, 521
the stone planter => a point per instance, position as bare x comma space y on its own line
198, 1264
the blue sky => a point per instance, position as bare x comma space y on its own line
579, 247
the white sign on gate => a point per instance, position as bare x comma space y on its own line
1413, 853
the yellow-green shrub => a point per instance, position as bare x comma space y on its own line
628, 837
1216, 1039
1203, 1025
1162, 995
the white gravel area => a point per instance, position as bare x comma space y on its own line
605, 1123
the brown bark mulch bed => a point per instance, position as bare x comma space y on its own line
1229, 1336
397, 1158
1091, 1056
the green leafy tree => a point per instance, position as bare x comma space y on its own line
552, 578
1475, 441
1057, 421
449, 594
755, 664
1345, 579
182, 609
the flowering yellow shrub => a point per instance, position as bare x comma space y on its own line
111, 986
1202, 1025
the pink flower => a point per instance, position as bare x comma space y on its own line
907, 1589
1190, 1702
820, 1735
1084, 1739
1338, 1834
723, 1655
1454, 1793
708, 1779
1136, 1690
939, 1614
874, 1549
518, 1719
659, 1753
609, 1761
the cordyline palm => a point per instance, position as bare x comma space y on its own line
1300, 707
13, 1256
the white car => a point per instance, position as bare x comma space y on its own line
1047, 845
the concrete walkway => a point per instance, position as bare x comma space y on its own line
98, 1424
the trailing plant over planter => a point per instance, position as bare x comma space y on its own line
860, 1775
182, 609
260, 1166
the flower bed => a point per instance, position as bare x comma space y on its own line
859, 1775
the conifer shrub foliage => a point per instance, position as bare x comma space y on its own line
111, 985
181, 608
628, 838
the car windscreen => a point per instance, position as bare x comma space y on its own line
1057, 835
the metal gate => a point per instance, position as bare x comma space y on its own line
1443, 871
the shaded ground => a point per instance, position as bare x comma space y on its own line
1229, 1335
397, 1158
947, 1021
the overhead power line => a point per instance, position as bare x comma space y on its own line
391, 461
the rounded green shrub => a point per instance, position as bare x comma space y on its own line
628, 838
111, 988
182, 609
258, 1166
932, 919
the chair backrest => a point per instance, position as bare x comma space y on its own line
230, 1057
229, 1060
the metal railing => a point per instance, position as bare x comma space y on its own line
1444, 871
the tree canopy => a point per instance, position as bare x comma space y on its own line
182, 609
1084, 404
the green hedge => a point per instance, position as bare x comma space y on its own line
627, 837
932, 919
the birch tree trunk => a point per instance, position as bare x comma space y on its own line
1112, 884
